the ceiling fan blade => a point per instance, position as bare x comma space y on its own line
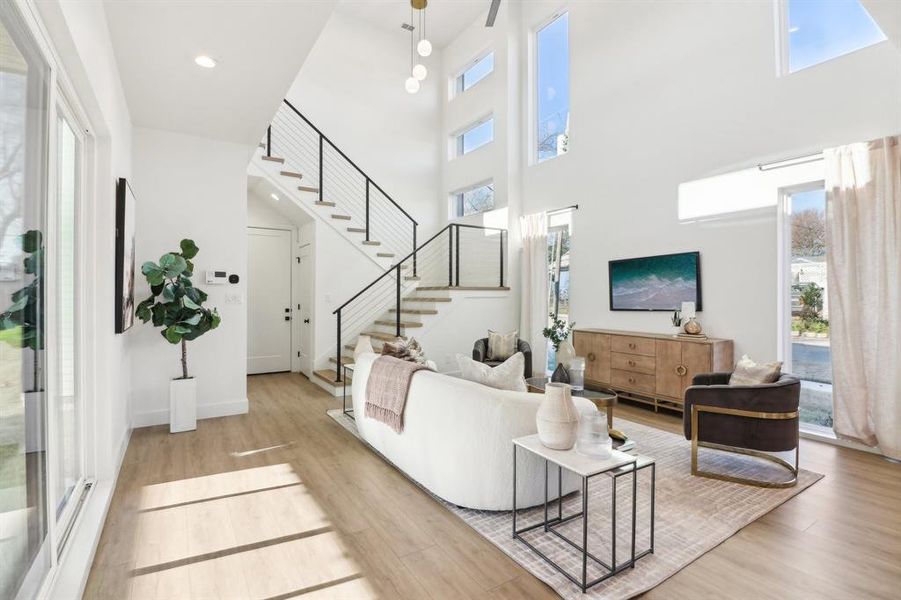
492, 13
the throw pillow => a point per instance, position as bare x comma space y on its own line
748, 372
501, 346
405, 350
506, 376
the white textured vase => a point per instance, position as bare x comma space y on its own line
565, 353
364, 345
557, 418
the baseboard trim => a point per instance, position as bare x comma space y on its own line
204, 411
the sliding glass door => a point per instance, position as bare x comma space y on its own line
42, 167
25, 555
807, 349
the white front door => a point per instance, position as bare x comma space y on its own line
269, 311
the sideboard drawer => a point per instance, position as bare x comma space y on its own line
633, 362
633, 381
633, 345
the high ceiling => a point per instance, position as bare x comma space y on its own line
445, 19
259, 46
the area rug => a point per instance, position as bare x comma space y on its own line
693, 515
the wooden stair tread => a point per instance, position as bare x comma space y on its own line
341, 217
385, 254
404, 324
356, 229
306, 188
415, 311
427, 299
379, 335
371, 243
274, 159
323, 203
330, 376
346, 360
412, 278
291, 174
464, 288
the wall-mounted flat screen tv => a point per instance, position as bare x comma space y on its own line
656, 282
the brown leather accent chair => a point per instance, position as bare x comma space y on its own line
746, 419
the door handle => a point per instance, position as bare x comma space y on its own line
306, 321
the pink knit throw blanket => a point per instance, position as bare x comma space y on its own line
386, 390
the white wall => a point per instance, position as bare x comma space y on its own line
663, 93
352, 88
189, 187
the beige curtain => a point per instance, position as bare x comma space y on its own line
533, 300
863, 185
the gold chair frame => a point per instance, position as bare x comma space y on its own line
696, 409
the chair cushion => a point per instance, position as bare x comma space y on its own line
748, 372
506, 376
501, 346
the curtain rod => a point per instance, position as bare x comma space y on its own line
791, 162
563, 209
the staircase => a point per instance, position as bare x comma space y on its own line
409, 296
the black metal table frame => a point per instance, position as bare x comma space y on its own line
549, 524
347, 412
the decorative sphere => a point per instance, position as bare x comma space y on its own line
424, 47
692, 327
411, 85
420, 72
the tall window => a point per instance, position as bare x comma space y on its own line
475, 136
472, 200
479, 70
820, 30
809, 355
552, 93
558, 247
24, 84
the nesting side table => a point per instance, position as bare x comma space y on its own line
618, 465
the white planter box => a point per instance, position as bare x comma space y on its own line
182, 405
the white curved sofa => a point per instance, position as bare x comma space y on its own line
457, 440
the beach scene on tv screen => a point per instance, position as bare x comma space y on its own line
655, 282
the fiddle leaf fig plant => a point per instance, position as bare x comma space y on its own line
174, 303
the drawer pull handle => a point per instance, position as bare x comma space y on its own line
681, 371
631, 363
632, 346
631, 380
591, 356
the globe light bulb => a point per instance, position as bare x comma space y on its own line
411, 85
424, 47
420, 72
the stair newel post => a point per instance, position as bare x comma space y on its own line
502, 258
415, 225
338, 350
269, 141
320, 168
457, 259
367, 209
397, 313
450, 256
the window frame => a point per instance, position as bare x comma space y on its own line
456, 83
456, 138
533, 48
783, 40
455, 199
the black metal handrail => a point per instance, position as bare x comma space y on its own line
453, 276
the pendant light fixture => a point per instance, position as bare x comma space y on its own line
418, 71
424, 46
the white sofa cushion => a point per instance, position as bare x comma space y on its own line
506, 376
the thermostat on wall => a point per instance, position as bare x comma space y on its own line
215, 277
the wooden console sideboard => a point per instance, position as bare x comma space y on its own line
646, 367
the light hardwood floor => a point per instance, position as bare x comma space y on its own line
283, 503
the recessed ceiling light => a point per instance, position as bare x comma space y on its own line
274, 197
205, 61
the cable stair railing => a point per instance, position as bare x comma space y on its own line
458, 257
314, 164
